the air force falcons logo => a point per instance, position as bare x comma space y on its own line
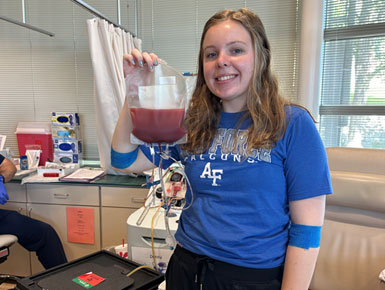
222, 149
214, 174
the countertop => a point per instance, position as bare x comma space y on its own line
107, 180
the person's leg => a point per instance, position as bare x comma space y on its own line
224, 276
189, 271
181, 271
34, 235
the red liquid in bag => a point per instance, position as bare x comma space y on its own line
157, 126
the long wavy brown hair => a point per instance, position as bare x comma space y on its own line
264, 102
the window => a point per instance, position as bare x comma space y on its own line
172, 29
352, 109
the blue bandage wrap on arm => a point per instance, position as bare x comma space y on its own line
123, 160
305, 237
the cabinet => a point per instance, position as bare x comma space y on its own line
49, 203
117, 204
18, 263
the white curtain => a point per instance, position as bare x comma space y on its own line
107, 46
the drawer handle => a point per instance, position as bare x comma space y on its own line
138, 200
61, 196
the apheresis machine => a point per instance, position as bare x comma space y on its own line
151, 228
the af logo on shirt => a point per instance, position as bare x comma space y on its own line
213, 174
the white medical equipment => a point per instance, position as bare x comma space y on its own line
149, 242
151, 229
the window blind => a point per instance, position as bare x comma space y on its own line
352, 109
172, 29
41, 74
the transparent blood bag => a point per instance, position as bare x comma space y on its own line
157, 102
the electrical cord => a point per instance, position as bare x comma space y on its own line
167, 225
137, 269
165, 155
152, 236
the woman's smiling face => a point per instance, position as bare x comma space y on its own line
228, 63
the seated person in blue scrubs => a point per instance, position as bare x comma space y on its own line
32, 234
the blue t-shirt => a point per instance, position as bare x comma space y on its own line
240, 212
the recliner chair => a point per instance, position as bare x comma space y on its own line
352, 252
5, 242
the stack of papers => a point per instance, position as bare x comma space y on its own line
85, 174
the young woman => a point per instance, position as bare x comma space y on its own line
256, 163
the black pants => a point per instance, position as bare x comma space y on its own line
35, 236
189, 271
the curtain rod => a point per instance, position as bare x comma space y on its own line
91, 9
27, 25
